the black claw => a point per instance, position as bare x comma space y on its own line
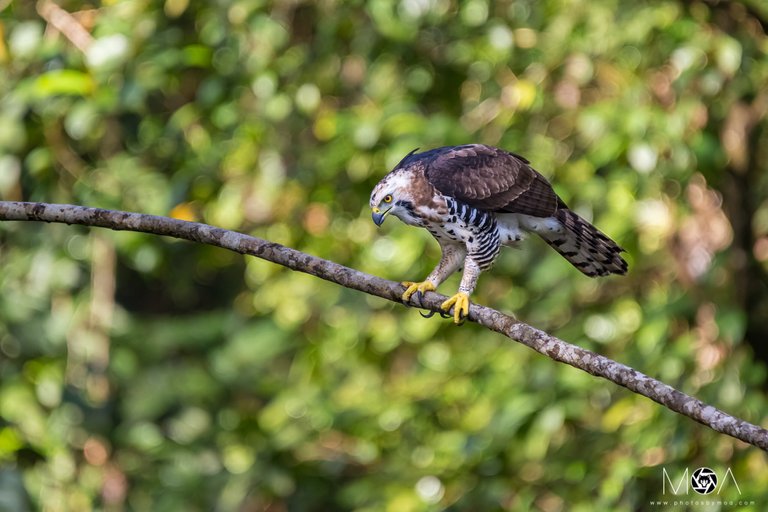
432, 313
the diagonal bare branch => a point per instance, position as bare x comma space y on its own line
536, 339
65, 23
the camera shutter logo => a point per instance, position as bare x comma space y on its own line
704, 481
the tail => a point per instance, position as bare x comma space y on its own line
585, 246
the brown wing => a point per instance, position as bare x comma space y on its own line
491, 179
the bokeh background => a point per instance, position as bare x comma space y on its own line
143, 373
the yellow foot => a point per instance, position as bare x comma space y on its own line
418, 288
460, 303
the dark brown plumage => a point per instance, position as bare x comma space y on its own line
493, 180
501, 182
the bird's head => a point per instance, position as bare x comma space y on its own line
393, 195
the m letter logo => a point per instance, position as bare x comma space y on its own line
675, 490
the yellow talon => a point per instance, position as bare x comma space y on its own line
460, 303
411, 288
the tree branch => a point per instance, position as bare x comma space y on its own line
536, 339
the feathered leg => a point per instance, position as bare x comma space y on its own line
460, 301
482, 251
451, 259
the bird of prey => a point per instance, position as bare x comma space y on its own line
474, 199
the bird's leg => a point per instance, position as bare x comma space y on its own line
460, 301
452, 256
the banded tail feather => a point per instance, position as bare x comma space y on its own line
584, 246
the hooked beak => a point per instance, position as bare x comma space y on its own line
378, 216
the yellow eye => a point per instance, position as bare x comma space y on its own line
387, 199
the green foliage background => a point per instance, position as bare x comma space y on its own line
143, 373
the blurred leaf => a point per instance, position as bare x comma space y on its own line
63, 81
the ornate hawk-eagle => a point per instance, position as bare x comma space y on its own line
476, 198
